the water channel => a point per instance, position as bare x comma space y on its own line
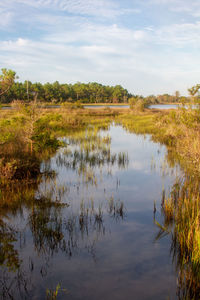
91, 227
155, 106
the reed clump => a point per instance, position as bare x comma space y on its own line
181, 219
138, 104
74, 105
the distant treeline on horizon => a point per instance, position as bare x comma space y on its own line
84, 92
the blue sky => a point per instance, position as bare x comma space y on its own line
147, 46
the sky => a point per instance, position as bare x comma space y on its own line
147, 46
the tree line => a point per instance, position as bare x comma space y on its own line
57, 93
92, 92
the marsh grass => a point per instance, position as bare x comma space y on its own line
52, 294
180, 131
139, 123
181, 220
87, 151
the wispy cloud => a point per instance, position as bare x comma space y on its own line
91, 40
5, 19
108, 54
103, 8
6, 16
188, 7
179, 35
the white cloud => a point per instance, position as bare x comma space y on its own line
21, 42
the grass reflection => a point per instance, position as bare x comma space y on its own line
49, 218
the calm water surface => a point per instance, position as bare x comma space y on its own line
104, 106
158, 106
91, 228
164, 106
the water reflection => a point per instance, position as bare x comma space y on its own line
9, 256
87, 223
42, 215
52, 232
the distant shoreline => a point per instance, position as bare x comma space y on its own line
95, 104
